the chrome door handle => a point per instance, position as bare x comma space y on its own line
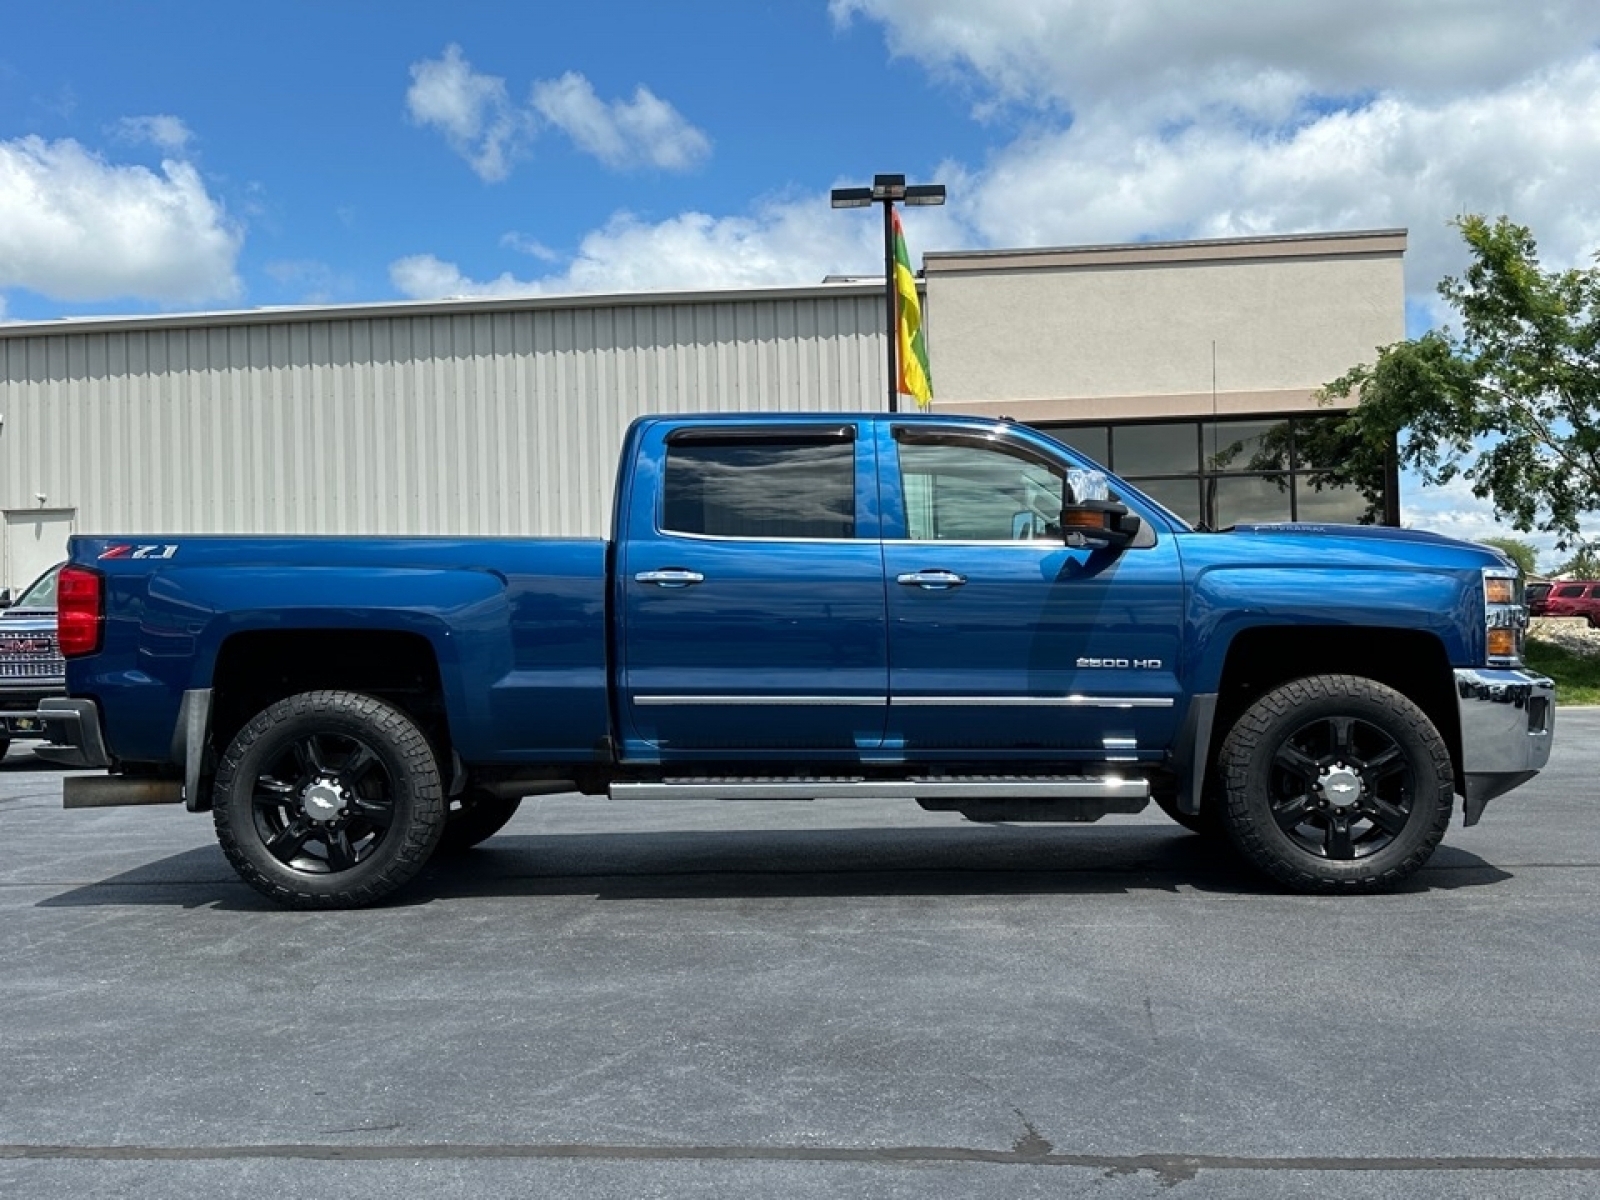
671, 577
931, 581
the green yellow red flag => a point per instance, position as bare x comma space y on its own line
915, 379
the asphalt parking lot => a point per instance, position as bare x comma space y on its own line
801, 1000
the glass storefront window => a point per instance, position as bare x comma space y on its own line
1320, 501
1227, 472
1249, 500
1182, 496
1092, 440
1155, 449
1246, 445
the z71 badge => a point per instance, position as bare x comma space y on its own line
125, 551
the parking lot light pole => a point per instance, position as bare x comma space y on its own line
885, 190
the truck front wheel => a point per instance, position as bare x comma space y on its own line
1336, 783
328, 800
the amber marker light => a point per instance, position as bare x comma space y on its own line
1502, 642
1499, 590
1083, 519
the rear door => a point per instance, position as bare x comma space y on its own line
751, 593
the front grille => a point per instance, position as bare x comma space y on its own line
26, 654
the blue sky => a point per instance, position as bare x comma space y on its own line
301, 121
180, 155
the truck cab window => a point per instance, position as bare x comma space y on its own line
766, 489
957, 491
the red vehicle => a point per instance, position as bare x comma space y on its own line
1572, 598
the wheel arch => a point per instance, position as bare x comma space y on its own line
1412, 662
256, 668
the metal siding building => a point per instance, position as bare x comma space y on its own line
482, 417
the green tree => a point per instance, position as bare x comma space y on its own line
1510, 403
1524, 554
1585, 564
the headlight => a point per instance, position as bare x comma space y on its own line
1505, 616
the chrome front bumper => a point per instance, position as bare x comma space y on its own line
1507, 721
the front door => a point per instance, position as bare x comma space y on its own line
752, 598
1003, 640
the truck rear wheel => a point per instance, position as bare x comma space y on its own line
1336, 783
328, 800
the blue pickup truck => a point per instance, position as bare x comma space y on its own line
960, 612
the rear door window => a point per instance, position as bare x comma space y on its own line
754, 486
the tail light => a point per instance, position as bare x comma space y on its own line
80, 611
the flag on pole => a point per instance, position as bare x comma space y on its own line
913, 357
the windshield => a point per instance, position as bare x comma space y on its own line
41, 592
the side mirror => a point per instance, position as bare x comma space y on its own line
1091, 517
5, 598
1099, 523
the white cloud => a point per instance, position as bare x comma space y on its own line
1155, 118
1249, 55
168, 133
1453, 510
75, 227
1525, 150
473, 111
425, 277
532, 247
785, 242
646, 131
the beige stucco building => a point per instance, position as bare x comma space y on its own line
1229, 327
503, 416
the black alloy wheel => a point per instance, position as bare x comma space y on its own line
329, 800
1336, 783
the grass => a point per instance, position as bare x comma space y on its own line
1577, 676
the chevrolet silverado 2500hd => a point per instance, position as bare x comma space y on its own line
957, 611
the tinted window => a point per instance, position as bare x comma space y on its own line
1182, 496
766, 489
1569, 590
1156, 449
1246, 445
1093, 441
1338, 504
1248, 500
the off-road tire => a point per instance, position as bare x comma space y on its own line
301, 757
1292, 762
